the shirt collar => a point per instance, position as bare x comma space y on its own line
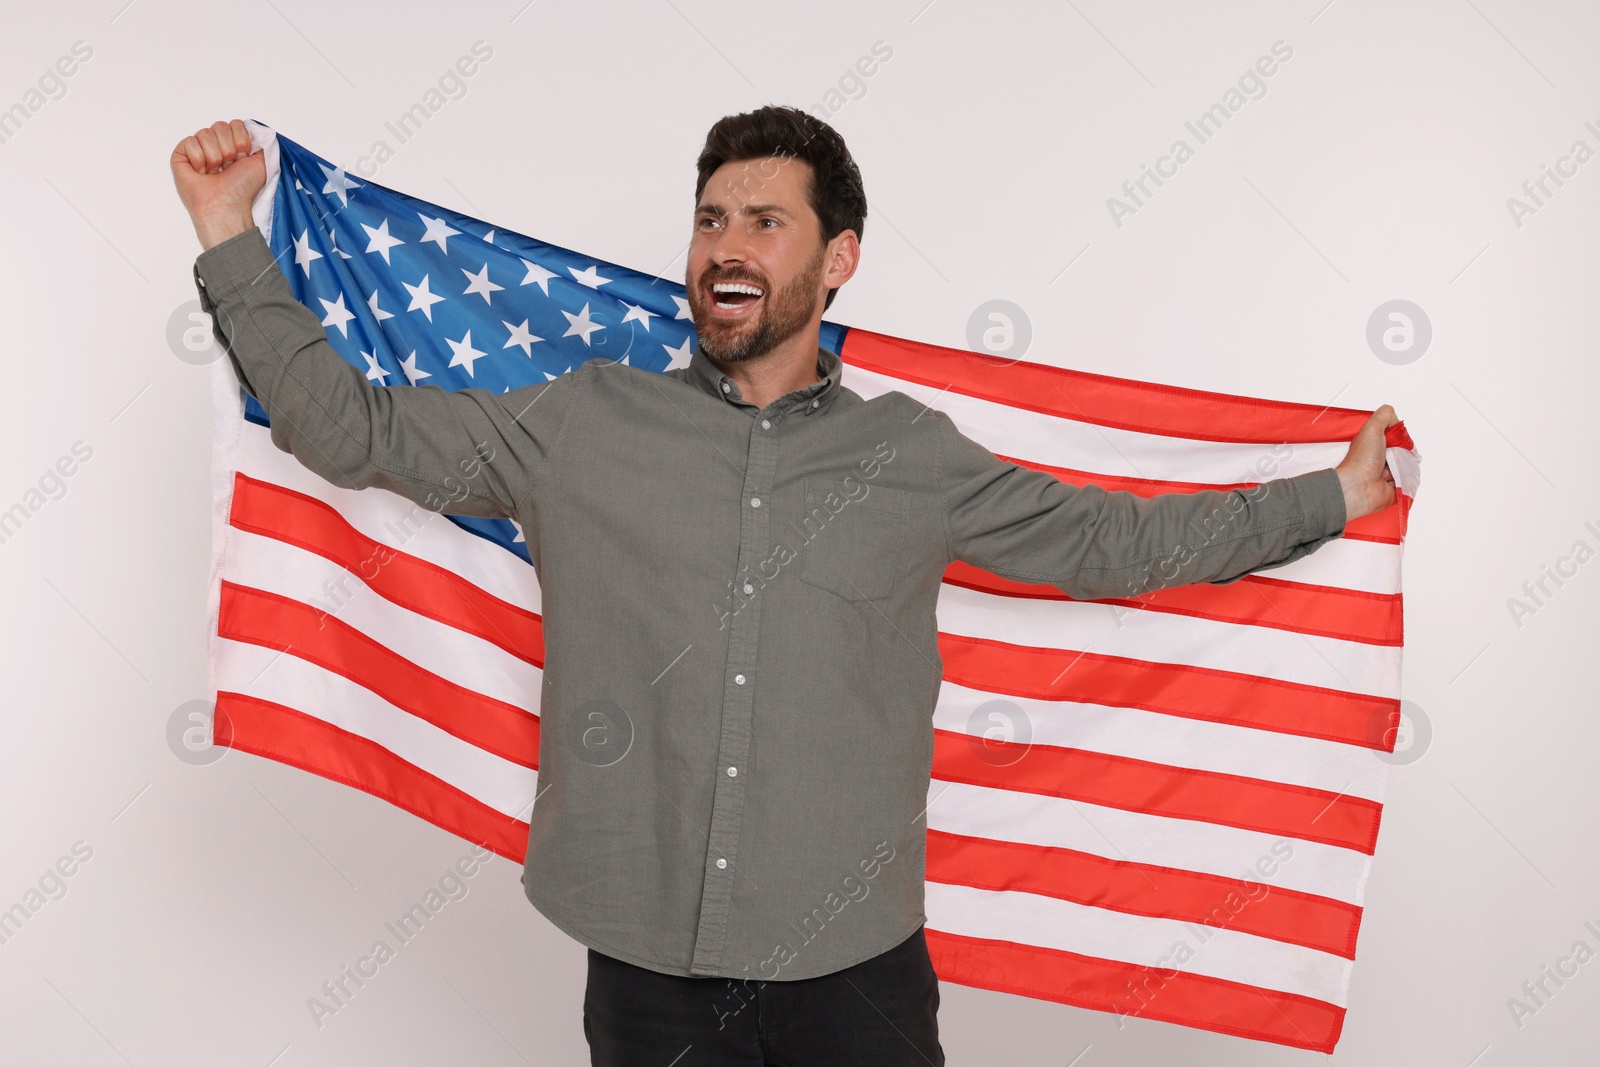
807, 400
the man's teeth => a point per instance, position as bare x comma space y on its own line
725, 288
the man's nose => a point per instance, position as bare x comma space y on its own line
730, 246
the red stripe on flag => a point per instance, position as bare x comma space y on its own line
1195, 414
415, 584
1129, 989
1287, 915
1169, 689
1317, 610
1257, 804
273, 621
275, 732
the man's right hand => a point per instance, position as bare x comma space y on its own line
218, 177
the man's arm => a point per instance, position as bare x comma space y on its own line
468, 452
1091, 544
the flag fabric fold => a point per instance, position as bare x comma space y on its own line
1162, 806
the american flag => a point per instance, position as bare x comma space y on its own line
1163, 806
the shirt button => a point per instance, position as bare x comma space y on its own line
721, 864
748, 589
724, 387
766, 424
813, 403
755, 502
733, 772
738, 679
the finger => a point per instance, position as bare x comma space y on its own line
225, 142
189, 149
209, 147
241, 138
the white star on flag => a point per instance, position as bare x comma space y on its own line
438, 231
679, 357
637, 314
421, 298
521, 336
380, 240
581, 324
304, 253
338, 314
480, 283
338, 182
590, 276
375, 373
409, 367
377, 312
538, 275
465, 354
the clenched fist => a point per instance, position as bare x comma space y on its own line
1364, 474
218, 177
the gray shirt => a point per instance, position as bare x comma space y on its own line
741, 648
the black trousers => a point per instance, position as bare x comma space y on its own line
880, 1012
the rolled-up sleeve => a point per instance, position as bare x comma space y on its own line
463, 452
1092, 543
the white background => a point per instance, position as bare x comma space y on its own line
1377, 166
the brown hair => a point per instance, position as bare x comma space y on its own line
835, 192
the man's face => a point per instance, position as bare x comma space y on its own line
757, 261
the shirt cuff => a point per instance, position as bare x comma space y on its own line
240, 260
1321, 498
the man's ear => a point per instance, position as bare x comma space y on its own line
841, 258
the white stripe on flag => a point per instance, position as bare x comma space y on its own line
257, 671
393, 520
1175, 741
452, 654
1075, 445
1164, 637
1031, 919
1365, 566
1186, 844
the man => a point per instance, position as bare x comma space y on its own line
739, 563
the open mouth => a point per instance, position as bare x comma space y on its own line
735, 298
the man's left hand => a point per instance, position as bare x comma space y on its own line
1368, 485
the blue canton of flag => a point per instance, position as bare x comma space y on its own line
416, 294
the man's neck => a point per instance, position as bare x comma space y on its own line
791, 365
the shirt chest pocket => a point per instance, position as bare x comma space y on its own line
857, 547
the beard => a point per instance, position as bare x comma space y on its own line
785, 312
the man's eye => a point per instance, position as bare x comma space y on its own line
705, 221
766, 219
